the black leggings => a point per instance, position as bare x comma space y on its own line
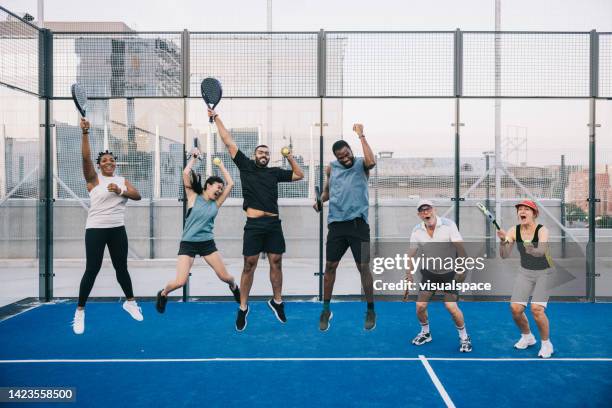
96, 239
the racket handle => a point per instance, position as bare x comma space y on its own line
496, 225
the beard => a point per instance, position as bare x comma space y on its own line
262, 162
349, 165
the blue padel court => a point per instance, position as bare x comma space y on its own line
193, 356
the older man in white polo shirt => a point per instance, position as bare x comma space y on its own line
436, 239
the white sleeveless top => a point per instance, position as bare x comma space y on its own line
107, 209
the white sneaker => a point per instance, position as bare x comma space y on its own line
525, 341
546, 350
132, 308
78, 324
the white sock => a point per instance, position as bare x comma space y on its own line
462, 333
425, 327
131, 302
547, 342
80, 312
278, 303
526, 335
245, 309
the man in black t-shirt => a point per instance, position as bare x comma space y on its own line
263, 231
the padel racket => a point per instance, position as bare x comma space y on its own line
196, 144
487, 213
318, 198
211, 93
79, 96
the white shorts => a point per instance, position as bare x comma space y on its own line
534, 284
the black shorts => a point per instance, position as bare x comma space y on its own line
263, 234
344, 234
447, 277
201, 248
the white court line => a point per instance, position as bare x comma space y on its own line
502, 359
284, 359
434, 378
210, 360
21, 312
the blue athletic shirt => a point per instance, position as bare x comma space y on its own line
348, 192
200, 221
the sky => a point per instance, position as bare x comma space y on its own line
408, 127
299, 15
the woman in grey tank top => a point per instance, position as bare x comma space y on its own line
203, 203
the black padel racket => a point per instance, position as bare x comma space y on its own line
318, 198
79, 96
211, 93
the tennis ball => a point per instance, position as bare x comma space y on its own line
285, 151
527, 241
217, 161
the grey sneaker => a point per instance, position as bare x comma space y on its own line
326, 316
370, 320
465, 345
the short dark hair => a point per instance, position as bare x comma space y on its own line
104, 153
261, 145
340, 144
212, 180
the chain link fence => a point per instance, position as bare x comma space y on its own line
288, 89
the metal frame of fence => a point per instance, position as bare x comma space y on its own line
452, 78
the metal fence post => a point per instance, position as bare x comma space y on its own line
45, 204
458, 85
487, 156
321, 79
594, 79
185, 85
562, 172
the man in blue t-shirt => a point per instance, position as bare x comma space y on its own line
346, 188
263, 231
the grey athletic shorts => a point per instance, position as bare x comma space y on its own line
531, 283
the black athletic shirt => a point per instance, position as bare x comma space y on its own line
260, 184
533, 263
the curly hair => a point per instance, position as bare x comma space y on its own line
104, 153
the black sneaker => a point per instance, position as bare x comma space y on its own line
279, 310
236, 293
326, 316
160, 305
465, 346
241, 319
421, 339
370, 320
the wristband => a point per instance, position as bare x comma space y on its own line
123, 190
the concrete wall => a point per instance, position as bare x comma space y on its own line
395, 220
19, 267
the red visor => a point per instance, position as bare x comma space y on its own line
528, 203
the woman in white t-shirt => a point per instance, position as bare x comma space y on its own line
105, 227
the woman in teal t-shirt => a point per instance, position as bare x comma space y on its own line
203, 203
